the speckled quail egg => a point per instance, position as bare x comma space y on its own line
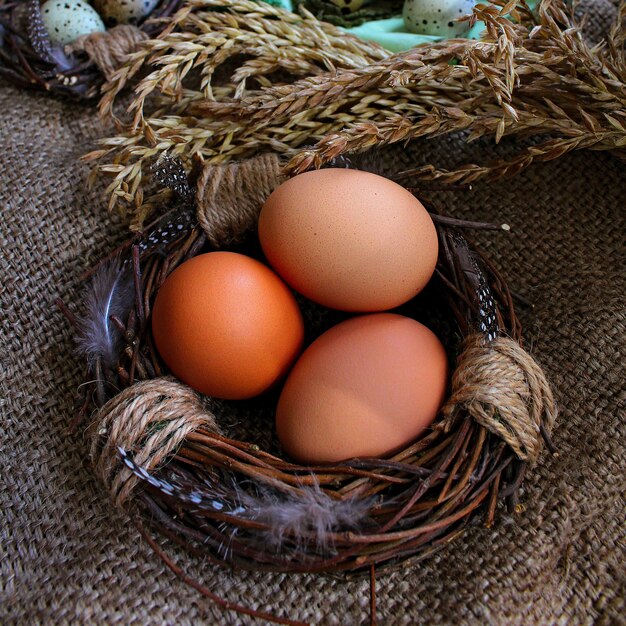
348, 6
124, 11
67, 20
436, 17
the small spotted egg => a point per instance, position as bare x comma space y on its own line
124, 11
67, 20
436, 17
348, 6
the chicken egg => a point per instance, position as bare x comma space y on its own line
365, 388
226, 325
348, 239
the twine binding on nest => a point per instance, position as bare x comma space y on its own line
229, 197
109, 50
150, 419
503, 388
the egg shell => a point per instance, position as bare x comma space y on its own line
366, 388
67, 20
125, 11
348, 239
436, 17
226, 325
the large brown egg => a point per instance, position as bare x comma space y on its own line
367, 387
349, 240
226, 325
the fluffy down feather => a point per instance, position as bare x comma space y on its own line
110, 293
306, 516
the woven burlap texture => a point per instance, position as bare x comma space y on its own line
68, 557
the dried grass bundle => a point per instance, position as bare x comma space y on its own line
254, 43
292, 81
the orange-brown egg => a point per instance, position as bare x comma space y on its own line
366, 387
350, 240
227, 325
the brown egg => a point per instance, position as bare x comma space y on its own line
226, 325
350, 240
367, 387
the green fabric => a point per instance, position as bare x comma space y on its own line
390, 33
286, 4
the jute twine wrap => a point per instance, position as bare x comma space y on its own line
504, 390
229, 197
149, 419
109, 49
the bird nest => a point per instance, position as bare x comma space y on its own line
210, 475
30, 60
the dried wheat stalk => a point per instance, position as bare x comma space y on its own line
301, 81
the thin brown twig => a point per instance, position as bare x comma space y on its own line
459, 223
223, 604
71, 318
373, 595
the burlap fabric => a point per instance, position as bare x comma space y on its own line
68, 557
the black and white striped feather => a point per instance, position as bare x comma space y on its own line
486, 318
306, 515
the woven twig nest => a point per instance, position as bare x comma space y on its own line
30, 60
226, 491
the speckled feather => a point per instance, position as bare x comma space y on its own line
177, 222
37, 32
40, 39
487, 320
170, 173
295, 518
